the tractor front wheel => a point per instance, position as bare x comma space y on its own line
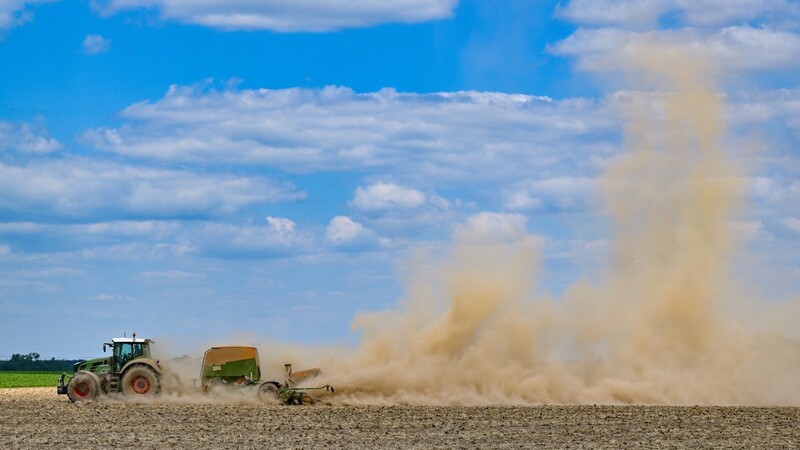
83, 387
140, 381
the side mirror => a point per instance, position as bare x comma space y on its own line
104, 348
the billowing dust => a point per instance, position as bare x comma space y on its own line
656, 330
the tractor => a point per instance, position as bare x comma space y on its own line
129, 370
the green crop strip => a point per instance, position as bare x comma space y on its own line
28, 379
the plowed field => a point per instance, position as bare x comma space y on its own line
38, 418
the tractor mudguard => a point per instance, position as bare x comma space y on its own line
146, 361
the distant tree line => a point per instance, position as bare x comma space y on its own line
31, 361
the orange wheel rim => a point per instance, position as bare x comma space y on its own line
140, 385
82, 389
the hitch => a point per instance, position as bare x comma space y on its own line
61, 389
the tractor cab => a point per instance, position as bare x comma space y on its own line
126, 349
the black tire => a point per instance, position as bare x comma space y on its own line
140, 381
83, 387
268, 392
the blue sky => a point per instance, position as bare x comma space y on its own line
205, 170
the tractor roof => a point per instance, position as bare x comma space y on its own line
126, 340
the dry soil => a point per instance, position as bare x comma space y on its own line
38, 418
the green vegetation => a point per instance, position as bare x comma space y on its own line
28, 379
32, 363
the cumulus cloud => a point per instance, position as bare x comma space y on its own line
776, 190
95, 44
277, 236
492, 227
81, 188
554, 194
172, 275
106, 297
762, 107
163, 239
613, 12
156, 229
633, 13
125, 239
722, 12
734, 48
747, 230
25, 137
15, 12
344, 230
387, 196
281, 227
397, 210
287, 15
736, 36
469, 136
793, 224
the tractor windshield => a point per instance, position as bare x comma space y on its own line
124, 352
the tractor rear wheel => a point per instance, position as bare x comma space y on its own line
83, 387
268, 392
140, 381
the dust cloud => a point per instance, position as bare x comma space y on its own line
656, 329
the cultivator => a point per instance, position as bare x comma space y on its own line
237, 366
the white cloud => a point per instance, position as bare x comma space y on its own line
343, 230
27, 138
613, 12
734, 48
562, 193
155, 229
491, 227
287, 15
793, 224
723, 12
776, 190
636, 13
14, 13
105, 297
465, 136
127, 228
735, 36
281, 227
174, 275
95, 44
380, 196
110, 240
279, 236
747, 230
77, 187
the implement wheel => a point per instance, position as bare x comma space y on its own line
268, 392
83, 387
140, 381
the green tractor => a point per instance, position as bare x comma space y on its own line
129, 370
238, 366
